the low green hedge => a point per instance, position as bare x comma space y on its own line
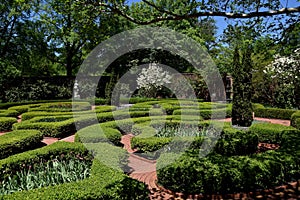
270, 133
104, 182
19, 141
230, 142
9, 113
236, 142
62, 107
6, 123
51, 129
295, 120
68, 126
23, 108
11, 104
222, 174
230, 174
98, 133
100, 109
206, 114
275, 113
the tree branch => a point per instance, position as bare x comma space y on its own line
171, 16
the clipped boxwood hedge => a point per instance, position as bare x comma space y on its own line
6, 123
8, 113
295, 120
230, 174
270, 133
104, 182
19, 141
98, 133
275, 113
206, 114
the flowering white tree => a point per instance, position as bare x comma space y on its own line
152, 79
285, 71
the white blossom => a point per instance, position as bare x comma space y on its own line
153, 76
286, 68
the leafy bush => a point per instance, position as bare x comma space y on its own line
276, 113
23, 108
6, 123
98, 133
104, 182
219, 174
100, 109
8, 113
52, 172
235, 142
270, 133
295, 120
19, 141
62, 107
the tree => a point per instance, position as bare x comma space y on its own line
152, 79
285, 70
73, 30
242, 87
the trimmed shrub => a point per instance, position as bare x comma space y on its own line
6, 123
104, 183
100, 109
62, 107
98, 133
222, 174
270, 133
149, 144
51, 129
23, 108
206, 114
275, 113
19, 141
236, 142
295, 120
8, 113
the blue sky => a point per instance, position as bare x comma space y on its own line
221, 23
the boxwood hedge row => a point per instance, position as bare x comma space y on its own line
269, 133
6, 123
104, 182
217, 173
19, 141
8, 113
231, 141
275, 113
295, 120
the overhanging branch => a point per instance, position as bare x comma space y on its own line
171, 16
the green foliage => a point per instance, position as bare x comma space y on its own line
270, 133
8, 113
104, 182
295, 120
275, 113
100, 109
242, 108
49, 173
149, 144
19, 141
99, 133
6, 123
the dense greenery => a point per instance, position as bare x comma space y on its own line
52, 172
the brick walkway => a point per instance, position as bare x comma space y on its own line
273, 121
